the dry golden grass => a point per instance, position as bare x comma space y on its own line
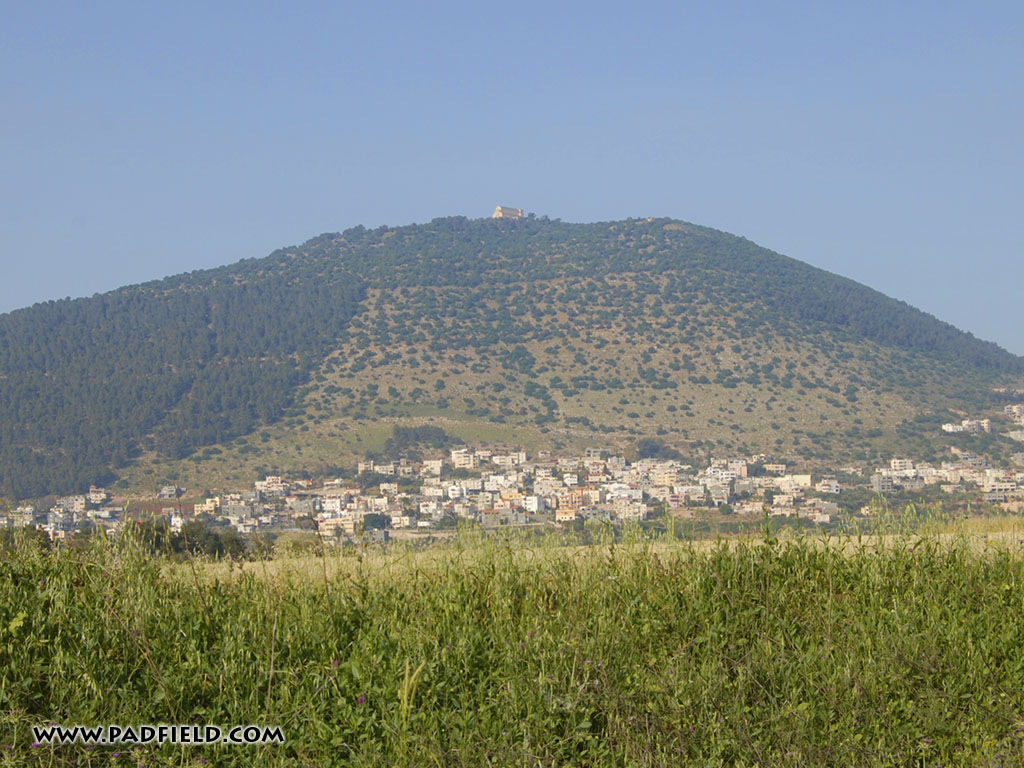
464, 550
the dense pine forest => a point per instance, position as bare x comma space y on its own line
89, 384
511, 322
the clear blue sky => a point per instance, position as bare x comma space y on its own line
881, 141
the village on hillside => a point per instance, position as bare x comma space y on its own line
495, 490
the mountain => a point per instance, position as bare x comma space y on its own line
526, 331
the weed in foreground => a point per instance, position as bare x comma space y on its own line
775, 651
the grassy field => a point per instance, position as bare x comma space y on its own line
895, 651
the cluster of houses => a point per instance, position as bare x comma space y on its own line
494, 489
970, 426
1016, 412
67, 515
1013, 412
497, 490
998, 486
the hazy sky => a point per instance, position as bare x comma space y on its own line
881, 141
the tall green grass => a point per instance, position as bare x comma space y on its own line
898, 652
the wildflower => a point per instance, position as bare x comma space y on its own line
335, 662
360, 700
37, 744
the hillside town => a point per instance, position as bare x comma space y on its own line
498, 489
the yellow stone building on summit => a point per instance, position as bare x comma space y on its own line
504, 212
